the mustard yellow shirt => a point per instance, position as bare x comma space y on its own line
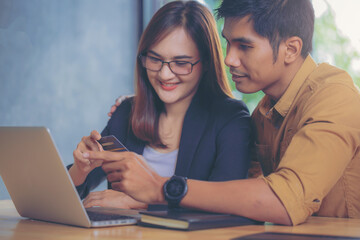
308, 143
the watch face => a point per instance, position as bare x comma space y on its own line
175, 188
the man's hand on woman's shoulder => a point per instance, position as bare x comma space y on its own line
117, 103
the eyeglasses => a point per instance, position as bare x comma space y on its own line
177, 67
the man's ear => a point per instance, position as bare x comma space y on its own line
293, 49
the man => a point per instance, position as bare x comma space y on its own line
307, 126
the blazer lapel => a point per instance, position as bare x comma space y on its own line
193, 128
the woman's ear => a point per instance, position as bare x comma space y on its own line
293, 49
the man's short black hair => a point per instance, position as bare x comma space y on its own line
275, 20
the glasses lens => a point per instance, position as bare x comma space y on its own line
151, 63
179, 67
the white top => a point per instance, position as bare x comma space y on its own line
163, 163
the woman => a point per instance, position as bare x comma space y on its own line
182, 119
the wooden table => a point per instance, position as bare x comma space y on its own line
14, 227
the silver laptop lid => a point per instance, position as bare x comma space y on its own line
36, 178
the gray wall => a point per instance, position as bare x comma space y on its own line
63, 63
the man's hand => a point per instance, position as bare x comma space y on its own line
117, 103
129, 173
112, 198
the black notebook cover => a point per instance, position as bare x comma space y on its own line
291, 236
185, 219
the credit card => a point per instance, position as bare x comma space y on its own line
112, 144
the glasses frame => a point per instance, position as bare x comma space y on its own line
141, 57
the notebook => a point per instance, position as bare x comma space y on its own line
188, 219
40, 185
291, 236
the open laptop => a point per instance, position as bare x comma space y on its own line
40, 185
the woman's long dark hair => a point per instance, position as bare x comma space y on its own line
200, 24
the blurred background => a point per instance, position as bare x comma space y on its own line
63, 63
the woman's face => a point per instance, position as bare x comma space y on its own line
173, 88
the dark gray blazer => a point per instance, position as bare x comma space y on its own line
214, 144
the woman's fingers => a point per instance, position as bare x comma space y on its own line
87, 144
78, 157
112, 198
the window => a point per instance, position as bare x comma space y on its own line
336, 40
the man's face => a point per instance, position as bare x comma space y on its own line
250, 58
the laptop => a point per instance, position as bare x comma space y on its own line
40, 185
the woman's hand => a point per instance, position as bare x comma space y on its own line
112, 198
82, 166
129, 173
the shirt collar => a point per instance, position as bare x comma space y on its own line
283, 105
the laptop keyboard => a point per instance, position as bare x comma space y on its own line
98, 216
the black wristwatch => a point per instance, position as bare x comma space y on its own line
175, 190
